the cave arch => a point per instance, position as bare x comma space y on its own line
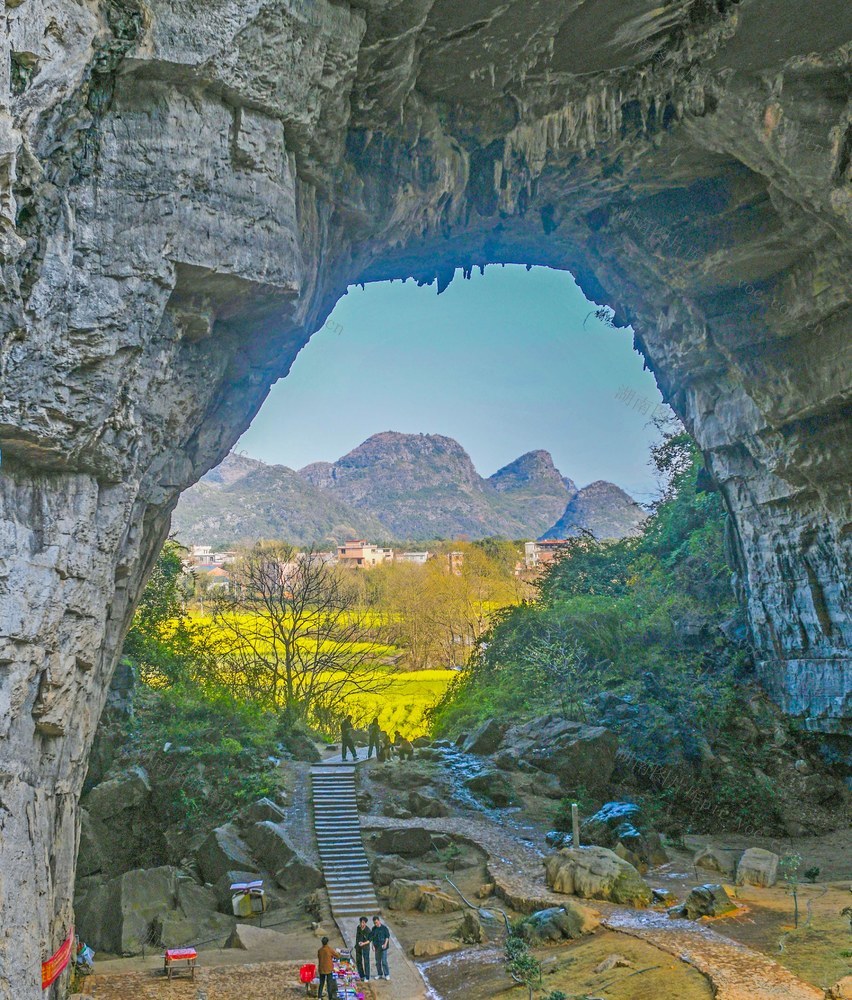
185, 190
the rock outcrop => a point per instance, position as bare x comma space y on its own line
558, 923
578, 755
705, 901
595, 873
184, 195
757, 867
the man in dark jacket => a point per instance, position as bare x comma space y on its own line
380, 936
375, 736
346, 741
363, 939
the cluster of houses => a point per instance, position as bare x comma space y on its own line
211, 566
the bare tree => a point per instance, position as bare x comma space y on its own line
292, 636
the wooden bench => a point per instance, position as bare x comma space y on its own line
174, 955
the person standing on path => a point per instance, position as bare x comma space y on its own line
375, 736
325, 965
380, 936
346, 741
363, 940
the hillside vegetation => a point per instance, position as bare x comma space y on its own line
397, 487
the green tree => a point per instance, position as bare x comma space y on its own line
523, 967
161, 641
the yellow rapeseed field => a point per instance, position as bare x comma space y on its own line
403, 703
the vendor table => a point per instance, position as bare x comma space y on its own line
173, 955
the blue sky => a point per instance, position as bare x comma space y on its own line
505, 363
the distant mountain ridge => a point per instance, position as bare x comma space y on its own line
396, 486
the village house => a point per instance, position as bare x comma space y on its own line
539, 554
418, 558
362, 554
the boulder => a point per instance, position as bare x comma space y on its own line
126, 791
487, 739
579, 755
421, 742
431, 948
151, 907
299, 876
364, 801
557, 838
269, 844
492, 786
221, 851
842, 990
388, 867
596, 873
263, 809
546, 785
558, 923
427, 897
705, 901
299, 745
426, 806
175, 930
620, 827
90, 856
393, 810
412, 842
439, 902
247, 937
470, 930
757, 867
715, 859
506, 761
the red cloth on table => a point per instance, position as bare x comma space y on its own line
174, 954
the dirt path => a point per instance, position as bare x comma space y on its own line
737, 972
252, 981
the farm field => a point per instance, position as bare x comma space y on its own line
401, 701
403, 704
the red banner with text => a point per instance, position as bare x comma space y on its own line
52, 969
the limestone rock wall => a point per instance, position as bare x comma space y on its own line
187, 188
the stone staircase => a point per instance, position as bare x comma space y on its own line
338, 832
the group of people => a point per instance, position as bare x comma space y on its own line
377, 739
376, 937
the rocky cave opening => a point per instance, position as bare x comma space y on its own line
184, 198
